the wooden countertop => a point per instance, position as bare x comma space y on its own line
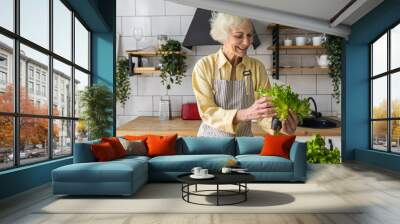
152, 125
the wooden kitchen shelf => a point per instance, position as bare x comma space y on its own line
139, 54
302, 70
296, 47
145, 70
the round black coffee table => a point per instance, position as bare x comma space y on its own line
238, 179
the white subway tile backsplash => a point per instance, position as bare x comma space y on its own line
176, 103
164, 17
184, 89
302, 84
324, 84
185, 23
150, 7
178, 9
119, 25
150, 86
207, 49
308, 60
188, 99
168, 25
290, 60
265, 59
324, 103
266, 41
126, 7
129, 23
126, 43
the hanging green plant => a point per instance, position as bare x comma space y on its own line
122, 84
173, 63
333, 46
96, 102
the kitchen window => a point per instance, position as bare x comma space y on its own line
384, 92
54, 44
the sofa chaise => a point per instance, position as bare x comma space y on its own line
125, 176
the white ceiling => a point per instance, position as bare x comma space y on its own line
312, 15
319, 9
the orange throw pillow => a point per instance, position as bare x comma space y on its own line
277, 145
136, 137
103, 151
116, 145
161, 145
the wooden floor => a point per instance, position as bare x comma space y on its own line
379, 189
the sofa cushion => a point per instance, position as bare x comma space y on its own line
116, 145
161, 145
277, 145
206, 145
257, 163
185, 163
83, 152
112, 171
249, 145
134, 147
103, 152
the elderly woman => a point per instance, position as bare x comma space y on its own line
225, 83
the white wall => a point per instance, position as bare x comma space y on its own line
163, 17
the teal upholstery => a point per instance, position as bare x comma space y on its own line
125, 176
119, 177
207, 145
184, 163
249, 145
257, 163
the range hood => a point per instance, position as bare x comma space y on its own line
199, 31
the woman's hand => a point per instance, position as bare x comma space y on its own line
261, 108
290, 124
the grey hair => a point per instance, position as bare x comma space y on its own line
222, 22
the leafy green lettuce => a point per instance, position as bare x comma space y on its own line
284, 99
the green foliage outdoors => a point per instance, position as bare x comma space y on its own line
173, 63
318, 153
96, 102
284, 100
333, 45
123, 87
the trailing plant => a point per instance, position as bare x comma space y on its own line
318, 153
123, 87
96, 102
333, 46
173, 63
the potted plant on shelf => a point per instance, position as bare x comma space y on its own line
333, 45
122, 84
96, 102
173, 70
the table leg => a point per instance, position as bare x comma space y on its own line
196, 187
217, 194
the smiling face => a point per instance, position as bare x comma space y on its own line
239, 39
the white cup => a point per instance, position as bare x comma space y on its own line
203, 172
226, 170
287, 42
196, 171
300, 41
316, 41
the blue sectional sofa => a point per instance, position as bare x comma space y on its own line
125, 176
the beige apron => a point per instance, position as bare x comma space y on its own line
231, 94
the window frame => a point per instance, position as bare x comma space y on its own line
388, 74
16, 114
